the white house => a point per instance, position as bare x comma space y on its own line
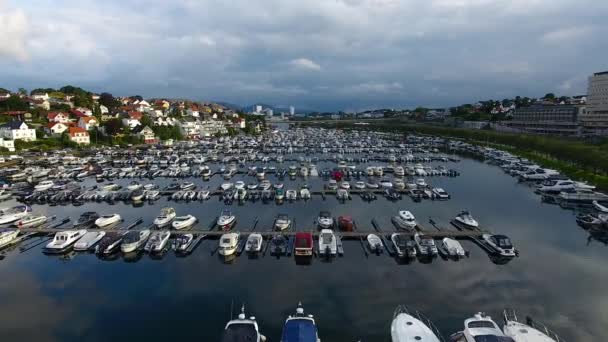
7, 144
132, 120
56, 128
85, 111
88, 122
79, 136
4, 96
103, 109
58, 117
146, 133
40, 96
14, 130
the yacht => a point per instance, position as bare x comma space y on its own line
282, 222
167, 214
480, 327
226, 220
182, 222
239, 185
555, 186
107, 220
404, 246
44, 185
375, 244
88, 241
425, 245
405, 220
7, 236
599, 207
582, 196
254, 243
332, 185
531, 331
242, 329
157, 241
133, 240
327, 243
86, 220
64, 240
466, 220
501, 244
228, 244
345, 185
300, 328
325, 220
412, 326
110, 242
31, 221
10, 215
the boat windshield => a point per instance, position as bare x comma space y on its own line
237, 332
481, 324
302, 243
327, 237
492, 338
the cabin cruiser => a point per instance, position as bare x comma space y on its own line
466, 220
88, 241
242, 329
332, 185
530, 331
600, 207
134, 185
157, 241
399, 171
187, 186
327, 243
138, 195
324, 220
538, 174
107, 220
228, 244
10, 215
404, 246
369, 171
31, 221
375, 244
165, 217
183, 242
300, 328
500, 243
405, 220
205, 171
345, 185
239, 185
182, 222
453, 248
359, 185
64, 240
480, 327
134, 240
278, 245
226, 220
254, 243
305, 193
152, 195
412, 326
265, 184
110, 242
291, 195
392, 194
7, 236
86, 220
582, 196
421, 183
440, 194
342, 194
399, 184
425, 245
282, 222
555, 186
44, 185
303, 244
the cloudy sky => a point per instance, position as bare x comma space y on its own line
317, 54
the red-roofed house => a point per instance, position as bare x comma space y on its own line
77, 113
79, 136
58, 117
56, 128
132, 120
88, 122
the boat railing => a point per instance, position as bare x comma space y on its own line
510, 315
403, 309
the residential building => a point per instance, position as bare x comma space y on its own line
211, 127
146, 133
56, 128
548, 119
595, 120
7, 144
190, 129
79, 135
258, 109
58, 117
14, 130
88, 122
4, 96
40, 96
103, 109
85, 111
292, 111
132, 119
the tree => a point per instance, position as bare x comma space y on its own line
14, 103
109, 101
97, 112
22, 91
549, 96
42, 91
113, 126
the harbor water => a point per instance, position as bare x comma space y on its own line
559, 277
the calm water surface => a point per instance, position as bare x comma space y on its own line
559, 278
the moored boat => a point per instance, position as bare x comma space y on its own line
167, 214
134, 240
64, 240
412, 326
88, 241
228, 244
242, 330
300, 328
182, 222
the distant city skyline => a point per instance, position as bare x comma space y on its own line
315, 55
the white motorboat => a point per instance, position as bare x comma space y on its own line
30, 221
134, 240
556, 186
305, 193
386, 184
399, 184
531, 331
242, 329
375, 244
291, 195
412, 326
328, 245
165, 217
187, 186
325, 220
282, 222
107, 220
134, 186
7, 236
226, 186
10, 215
304, 171
421, 183
157, 241
425, 245
228, 244
44, 185
599, 207
345, 185
239, 185
88, 241
480, 328
399, 171
226, 220
332, 185
240, 194
182, 222
404, 246
138, 195
203, 195
582, 196
183, 242
440, 194
64, 240
110, 187
265, 184
501, 244
405, 220
254, 243
379, 171
252, 186
453, 248
152, 195
369, 170
466, 220
359, 185
313, 172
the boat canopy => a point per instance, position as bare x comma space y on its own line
237, 332
299, 330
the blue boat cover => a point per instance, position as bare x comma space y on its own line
299, 330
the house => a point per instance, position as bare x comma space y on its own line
79, 136
88, 122
19, 115
4, 96
190, 129
239, 123
103, 109
14, 130
56, 128
132, 119
44, 104
146, 133
95, 97
40, 96
85, 111
210, 127
7, 144
109, 116
58, 117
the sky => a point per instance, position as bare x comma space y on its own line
313, 54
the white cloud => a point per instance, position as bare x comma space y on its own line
566, 35
374, 87
305, 63
13, 29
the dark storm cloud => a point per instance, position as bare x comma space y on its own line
320, 54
